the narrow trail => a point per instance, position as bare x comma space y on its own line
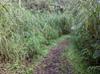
53, 63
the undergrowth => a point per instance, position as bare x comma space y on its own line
25, 36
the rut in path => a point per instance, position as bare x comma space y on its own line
52, 64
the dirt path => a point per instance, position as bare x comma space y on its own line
53, 63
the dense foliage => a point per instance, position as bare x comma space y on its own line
28, 28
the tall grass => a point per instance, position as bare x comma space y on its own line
24, 33
87, 35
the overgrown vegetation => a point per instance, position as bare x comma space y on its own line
25, 36
88, 37
28, 28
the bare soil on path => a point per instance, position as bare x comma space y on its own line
53, 63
